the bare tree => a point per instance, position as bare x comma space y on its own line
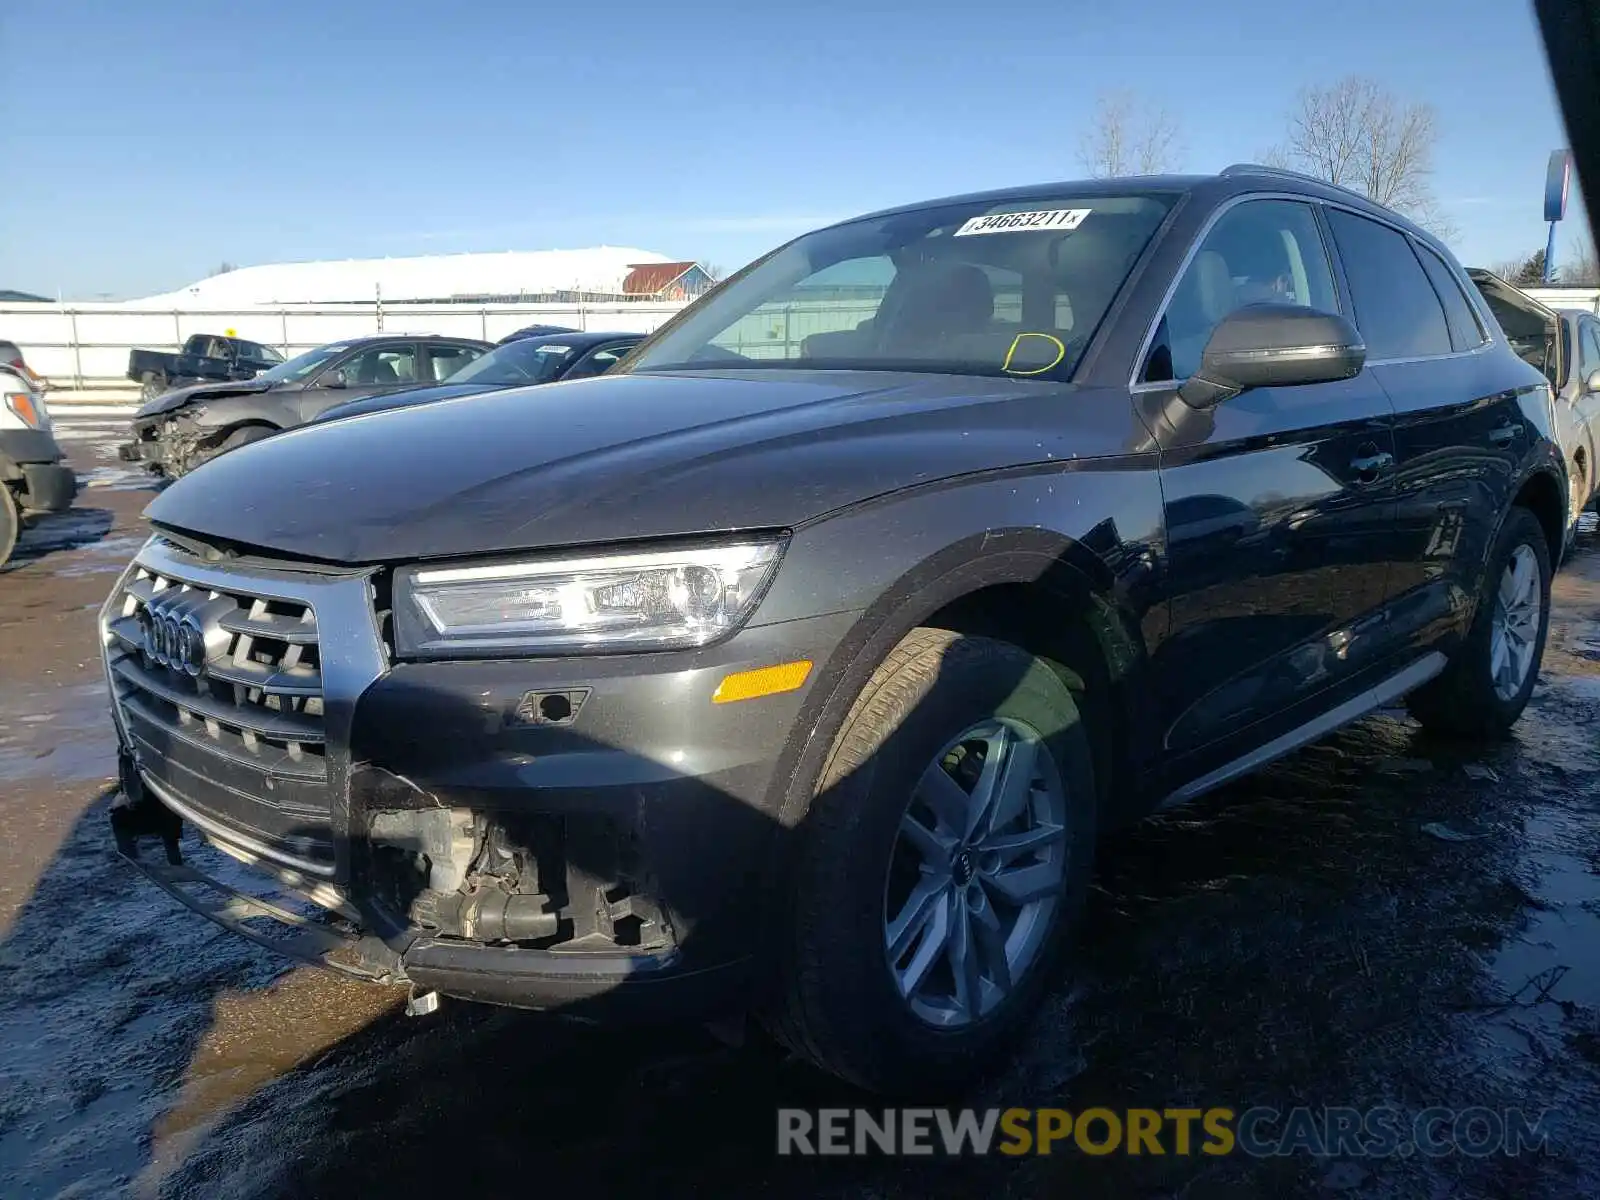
1128, 137
224, 267
1509, 268
1360, 135
1581, 269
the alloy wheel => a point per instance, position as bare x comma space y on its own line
976, 873
1518, 606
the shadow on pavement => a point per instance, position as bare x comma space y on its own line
50, 532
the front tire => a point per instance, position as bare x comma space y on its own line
945, 854
1487, 684
10, 524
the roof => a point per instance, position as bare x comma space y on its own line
586, 337
1240, 177
651, 278
599, 270
400, 335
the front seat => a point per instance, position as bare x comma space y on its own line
1205, 297
941, 303
378, 372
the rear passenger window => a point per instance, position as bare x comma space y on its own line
1397, 310
1261, 251
447, 360
1466, 333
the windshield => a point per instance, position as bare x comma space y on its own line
1012, 289
527, 361
302, 365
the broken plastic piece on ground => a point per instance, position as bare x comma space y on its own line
420, 1004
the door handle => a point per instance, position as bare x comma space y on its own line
1373, 462
1504, 435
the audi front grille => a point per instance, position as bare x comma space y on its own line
218, 677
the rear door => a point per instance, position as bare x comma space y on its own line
1459, 430
444, 359
1276, 503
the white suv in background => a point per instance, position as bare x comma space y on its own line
33, 479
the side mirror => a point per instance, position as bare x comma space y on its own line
336, 379
1592, 384
1273, 345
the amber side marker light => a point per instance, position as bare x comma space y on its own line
765, 681
21, 403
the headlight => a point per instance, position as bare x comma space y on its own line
666, 599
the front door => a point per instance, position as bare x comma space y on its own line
381, 367
1277, 503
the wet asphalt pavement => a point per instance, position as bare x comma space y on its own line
1379, 919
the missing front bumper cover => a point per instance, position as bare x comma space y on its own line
331, 941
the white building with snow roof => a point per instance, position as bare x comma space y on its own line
514, 275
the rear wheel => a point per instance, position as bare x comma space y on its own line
152, 387
1487, 684
947, 850
10, 523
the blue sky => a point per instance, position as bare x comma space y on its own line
162, 137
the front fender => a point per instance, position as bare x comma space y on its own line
1089, 532
229, 412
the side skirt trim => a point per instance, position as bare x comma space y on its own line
1390, 690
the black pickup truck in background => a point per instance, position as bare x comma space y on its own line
204, 357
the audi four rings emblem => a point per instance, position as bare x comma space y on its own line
172, 642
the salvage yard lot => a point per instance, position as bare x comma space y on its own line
1377, 919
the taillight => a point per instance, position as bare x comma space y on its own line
26, 371
22, 404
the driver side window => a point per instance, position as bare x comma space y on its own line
1261, 251
382, 366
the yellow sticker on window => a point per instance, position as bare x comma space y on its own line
1011, 354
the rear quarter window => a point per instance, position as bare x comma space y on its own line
1466, 331
1397, 310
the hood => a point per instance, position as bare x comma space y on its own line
405, 399
178, 397
617, 458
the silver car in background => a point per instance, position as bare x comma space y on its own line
1564, 343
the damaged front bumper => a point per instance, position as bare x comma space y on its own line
591, 835
591, 943
167, 443
331, 939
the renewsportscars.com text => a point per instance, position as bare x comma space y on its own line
1259, 1132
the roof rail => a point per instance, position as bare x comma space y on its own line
1248, 168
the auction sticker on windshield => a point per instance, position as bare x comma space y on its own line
1018, 222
